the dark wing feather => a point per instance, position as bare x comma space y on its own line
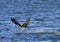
15, 22
26, 23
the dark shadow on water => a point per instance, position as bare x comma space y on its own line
39, 37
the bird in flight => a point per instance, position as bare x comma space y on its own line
19, 25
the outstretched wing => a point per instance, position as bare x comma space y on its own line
15, 22
26, 23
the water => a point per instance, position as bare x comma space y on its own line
44, 17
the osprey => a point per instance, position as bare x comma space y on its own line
20, 26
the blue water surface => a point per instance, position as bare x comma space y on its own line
44, 17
